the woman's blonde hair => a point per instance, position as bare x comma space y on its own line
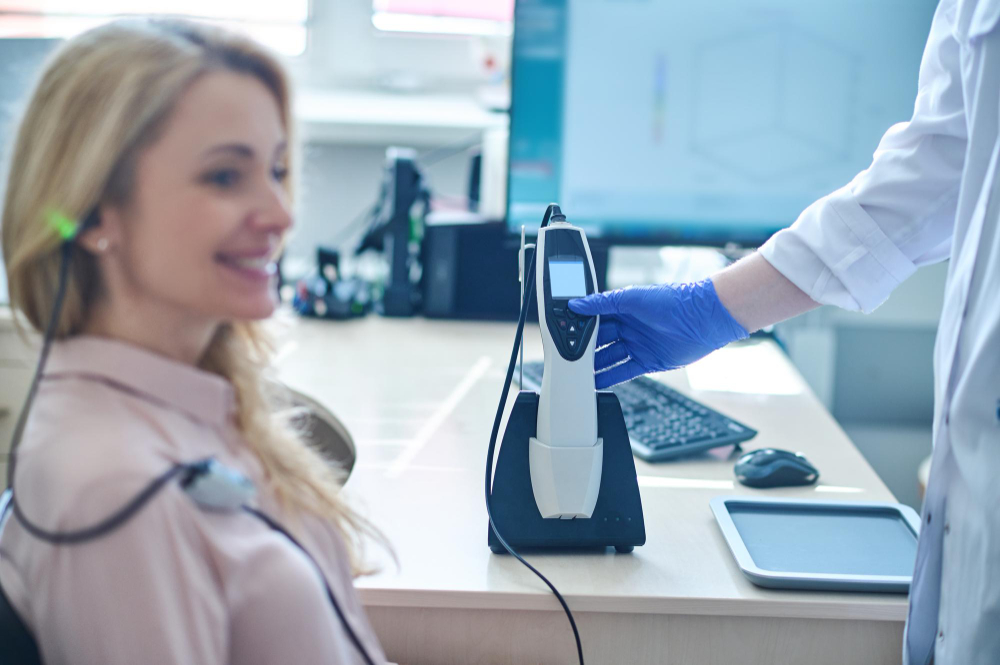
102, 98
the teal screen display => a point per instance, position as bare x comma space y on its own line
702, 122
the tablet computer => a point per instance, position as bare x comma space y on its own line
830, 545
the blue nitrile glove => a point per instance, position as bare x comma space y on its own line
656, 328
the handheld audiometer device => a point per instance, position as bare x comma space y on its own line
565, 443
566, 454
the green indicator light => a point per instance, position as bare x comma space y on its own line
64, 226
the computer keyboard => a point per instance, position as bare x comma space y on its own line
662, 423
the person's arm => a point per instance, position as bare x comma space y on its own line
853, 247
757, 295
655, 328
850, 249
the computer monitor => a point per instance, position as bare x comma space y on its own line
666, 122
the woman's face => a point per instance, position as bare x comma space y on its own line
208, 210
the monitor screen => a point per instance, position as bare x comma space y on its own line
658, 121
566, 279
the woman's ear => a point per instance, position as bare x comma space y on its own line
102, 236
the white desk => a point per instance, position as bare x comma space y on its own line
419, 397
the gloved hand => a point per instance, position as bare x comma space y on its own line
656, 328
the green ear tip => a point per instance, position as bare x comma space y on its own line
64, 226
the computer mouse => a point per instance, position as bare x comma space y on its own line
770, 467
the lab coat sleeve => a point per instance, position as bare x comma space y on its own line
854, 246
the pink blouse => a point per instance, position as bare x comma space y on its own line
176, 583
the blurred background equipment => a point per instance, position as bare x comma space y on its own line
397, 231
470, 268
325, 294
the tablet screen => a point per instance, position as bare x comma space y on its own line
808, 539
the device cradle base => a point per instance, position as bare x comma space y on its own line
617, 520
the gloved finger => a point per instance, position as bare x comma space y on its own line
620, 374
610, 355
595, 303
608, 332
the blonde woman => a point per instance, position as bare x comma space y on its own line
174, 140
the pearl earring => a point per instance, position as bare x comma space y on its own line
102, 244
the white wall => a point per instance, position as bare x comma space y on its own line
345, 49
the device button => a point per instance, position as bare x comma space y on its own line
572, 341
572, 328
558, 311
571, 314
562, 325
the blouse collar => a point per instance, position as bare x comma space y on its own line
202, 395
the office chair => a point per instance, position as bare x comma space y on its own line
19, 647
324, 431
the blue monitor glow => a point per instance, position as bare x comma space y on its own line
665, 122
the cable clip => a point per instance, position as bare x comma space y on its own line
217, 487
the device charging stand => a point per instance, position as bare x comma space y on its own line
617, 518
572, 517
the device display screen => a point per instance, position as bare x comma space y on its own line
567, 279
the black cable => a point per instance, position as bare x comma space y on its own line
443, 152
66, 250
133, 506
69, 235
528, 279
105, 526
368, 215
329, 591
152, 489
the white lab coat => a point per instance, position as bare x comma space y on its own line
929, 194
